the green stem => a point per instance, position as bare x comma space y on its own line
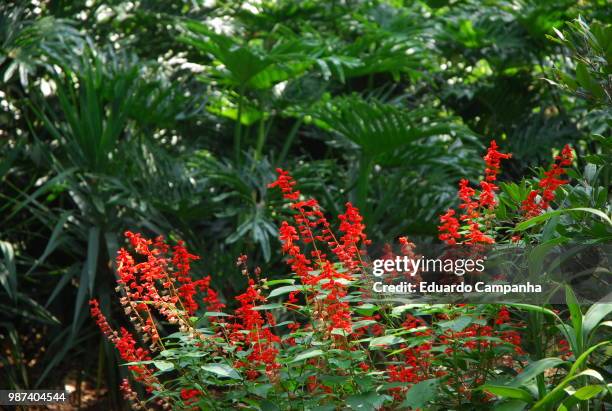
261, 138
365, 168
101, 355
535, 328
289, 141
238, 129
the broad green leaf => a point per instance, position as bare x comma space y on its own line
541, 218
508, 392
534, 308
366, 309
576, 317
421, 393
584, 393
534, 369
558, 392
370, 401
385, 340
222, 370
163, 365
458, 324
308, 354
363, 323
285, 290
594, 315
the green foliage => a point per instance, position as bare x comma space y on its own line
169, 117
591, 51
586, 383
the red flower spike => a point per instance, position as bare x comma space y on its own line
539, 200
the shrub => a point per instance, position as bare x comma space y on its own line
312, 342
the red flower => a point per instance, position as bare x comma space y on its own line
468, 205
250, 332
126, 345
492, 160
472, 208
286, 183
312, 228
503, 316
449, 228
190, 396
475, 236
347, 249
539, 200
487, 195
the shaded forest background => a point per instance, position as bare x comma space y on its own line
169, 117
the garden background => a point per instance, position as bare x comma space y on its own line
169, 117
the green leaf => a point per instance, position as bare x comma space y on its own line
511, 405
584, 356
163, 365
285, 290
420, 394
222, 370
508, 392
264, 307
93, 248
585, 393
576, 317
557, 393
366, 309
370, 401
216, 314
261, 390
543, 217
363, 323
385, 340
458, 324
280, 281
534, 369
582, 394
587, 81
594, 315
306, 355
8, 271
400, 309
534, 308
